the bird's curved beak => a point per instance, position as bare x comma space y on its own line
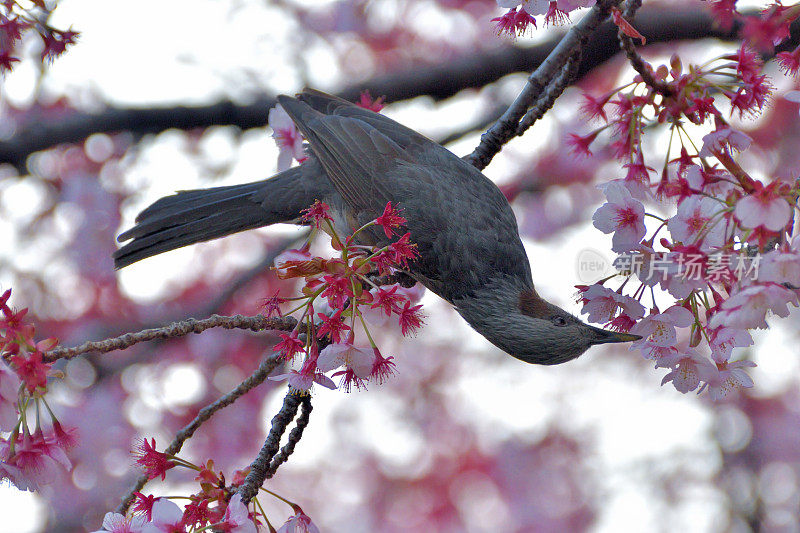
603, 336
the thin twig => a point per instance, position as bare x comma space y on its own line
176, 329
506, 127
259, 469
641, 66
258, 377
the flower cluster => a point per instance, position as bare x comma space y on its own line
521, 13
213, 507
722, 213
29, 458
17, 20
340, 297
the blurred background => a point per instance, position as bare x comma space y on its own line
161, 96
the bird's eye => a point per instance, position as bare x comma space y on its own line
558, 320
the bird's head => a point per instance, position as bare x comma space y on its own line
534, 330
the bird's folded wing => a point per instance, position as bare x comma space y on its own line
354, 154
328, 104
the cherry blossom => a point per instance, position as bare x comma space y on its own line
153, 462
601, 304
390, 219
287, 137
237, 518
686, 372
724, 378
723, 340
167, 517
748, 308
382, 367
302, 381
780, 266
299, 523
718, 140
711, 181
333, 326
116, 523
290, 345
33, 463
410, 317
316, 213
637, 178
623, 216
763, 208
698, 220
658, 329
333, 356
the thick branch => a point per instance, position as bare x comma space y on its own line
439, 81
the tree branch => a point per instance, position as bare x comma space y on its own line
637, 62
506, 127
268, 459
439, 81
176, 329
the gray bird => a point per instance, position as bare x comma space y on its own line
466, 234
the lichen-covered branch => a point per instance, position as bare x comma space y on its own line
268, 459
176, 329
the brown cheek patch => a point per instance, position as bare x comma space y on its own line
531, 304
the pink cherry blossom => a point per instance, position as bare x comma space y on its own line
623, 216
637, 178
780, 266
658, 329
541, 7
684, 273
33, 465
167, 517
288, 139
299, 523
602, 303
664, 356
721, 380
532, 7
360, 360
748, 308
302, 381
686, 372
116, 523
716, 141
711, 181
722, 341
764, 207
698, 220
237, 518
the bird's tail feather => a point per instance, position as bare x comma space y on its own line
189, 217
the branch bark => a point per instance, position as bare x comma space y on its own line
176, 329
